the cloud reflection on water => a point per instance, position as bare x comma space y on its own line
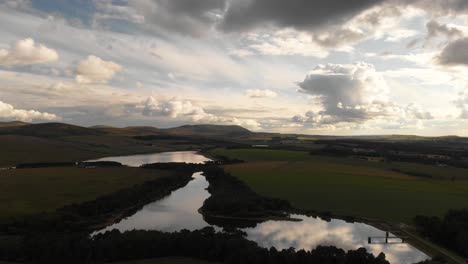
312, 232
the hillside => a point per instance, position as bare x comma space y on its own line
128, 131
208, 131
13, 124
48, 130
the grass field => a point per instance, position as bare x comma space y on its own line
29, 191
346, 186
24, 149
262, 154
170, 260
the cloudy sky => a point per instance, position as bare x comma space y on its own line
298, 66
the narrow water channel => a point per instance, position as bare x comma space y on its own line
179, 211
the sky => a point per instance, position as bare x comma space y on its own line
300, 66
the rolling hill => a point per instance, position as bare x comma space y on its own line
209, 131
13, 124
128, 131
48, 130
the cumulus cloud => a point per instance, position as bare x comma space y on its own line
26, 52
173, 108
346, 93
95, 70
259, 93
8, 112
188, 110
353, 96
455, 53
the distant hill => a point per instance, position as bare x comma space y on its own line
208, 130
62, 129
13, 124
128, 131
48, 130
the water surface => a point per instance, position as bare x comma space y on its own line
173, 213
313, 231
163, 157
179, 211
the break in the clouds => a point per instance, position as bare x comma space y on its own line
340, 67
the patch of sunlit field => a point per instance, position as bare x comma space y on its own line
29, 191
348, 187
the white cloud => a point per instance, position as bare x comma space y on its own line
414, 111
95, 70
354, 96
422, 59
281, 43
15, 4
108, 10
26, 52
258, 93
7, 111
347, 93
188, 110
461, 102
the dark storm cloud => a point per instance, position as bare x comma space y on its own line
300, 14
190, 7
188, 17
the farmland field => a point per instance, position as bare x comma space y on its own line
345, 186
262, 154
29, 191
169, 260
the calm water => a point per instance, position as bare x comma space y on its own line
180, 211
175, 156
311, 232
173, 213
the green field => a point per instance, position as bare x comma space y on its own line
262, 154
346, 186
29, 191
25, 149
170, 260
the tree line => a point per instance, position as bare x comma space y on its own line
203, 244
450, 231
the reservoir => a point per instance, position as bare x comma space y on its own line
179, 211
